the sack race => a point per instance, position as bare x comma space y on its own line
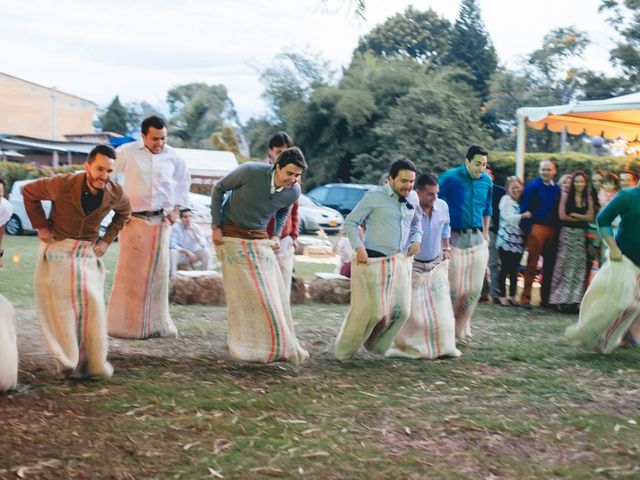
286, 258
466, 274
69, 290
380, 305
430, 331
260, 323
8, 346
610, 309
139, 301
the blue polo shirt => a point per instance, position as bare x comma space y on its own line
469, 199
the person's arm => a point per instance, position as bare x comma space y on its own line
295, 221
182, 177
486, 214
280, 219
122, 214
589, 215
604, 220
232, 180
562, 209
446, 233
415, 232
352, 223
1, 249
33, 194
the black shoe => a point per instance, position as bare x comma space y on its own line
526, 306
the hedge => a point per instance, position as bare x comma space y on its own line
504, 164
12, 171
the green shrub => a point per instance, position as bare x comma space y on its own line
12, 171
504, 164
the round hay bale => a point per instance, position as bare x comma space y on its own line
298, 290
330, 290
204, 288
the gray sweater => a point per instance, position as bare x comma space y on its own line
250, 203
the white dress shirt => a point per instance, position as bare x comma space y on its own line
152, 182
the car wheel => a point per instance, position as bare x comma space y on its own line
14, 226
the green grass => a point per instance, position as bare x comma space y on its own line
519, 403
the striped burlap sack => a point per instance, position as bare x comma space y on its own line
466, 276
139, 301
260, 324
8, 346
610, 309
380, 305
69, 290
286, 259
430, 331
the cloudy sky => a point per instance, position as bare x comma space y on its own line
138, 49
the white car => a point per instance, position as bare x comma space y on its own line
314, 216
19, 223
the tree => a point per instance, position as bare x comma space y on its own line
115, 118
227, 140
258, 131
471, 48
197, 111
624, 16
291, 77
421, 36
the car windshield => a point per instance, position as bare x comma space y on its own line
308, 202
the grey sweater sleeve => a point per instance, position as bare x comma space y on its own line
229, 182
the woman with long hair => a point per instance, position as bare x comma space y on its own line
510, 241
576, 210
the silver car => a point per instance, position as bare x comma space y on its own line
314, 216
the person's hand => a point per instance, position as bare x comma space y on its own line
172, 217
526, 215
216, 236
574, 215
485, 235
296, 245
615, 254
413, 249
192, 257
361, 255
446, 254
45, 235
276, 243
100, 248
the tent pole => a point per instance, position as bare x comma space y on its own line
520, 145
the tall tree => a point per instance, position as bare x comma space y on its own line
624, 16
471, 48
421, 36
197, 111
115, 118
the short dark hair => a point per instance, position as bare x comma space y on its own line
105, 150
426, 179
281, 139
474, 150
600, 172
612, 178
154, 121
291, 155
185, 210
401, 163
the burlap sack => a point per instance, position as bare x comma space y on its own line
466, 275
8, 346
139, 301
380, 305
286, 259
260, 324
610, 309
430, 331
69, 290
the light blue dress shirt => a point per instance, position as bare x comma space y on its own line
181, 238
392, 225
434, 230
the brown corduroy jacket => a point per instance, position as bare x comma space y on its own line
67, 218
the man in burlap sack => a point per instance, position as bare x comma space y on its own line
610, 308
8, 348
289, 235
69, 276
381, 271
157, 182
260, 324
430, 330
468, 191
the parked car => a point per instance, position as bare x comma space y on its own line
19, 223
314, 216
342, 197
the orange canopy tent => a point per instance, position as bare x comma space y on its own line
614, 118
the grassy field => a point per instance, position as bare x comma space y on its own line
519, 403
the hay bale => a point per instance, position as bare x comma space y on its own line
197, 287
330, 288
298, 290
